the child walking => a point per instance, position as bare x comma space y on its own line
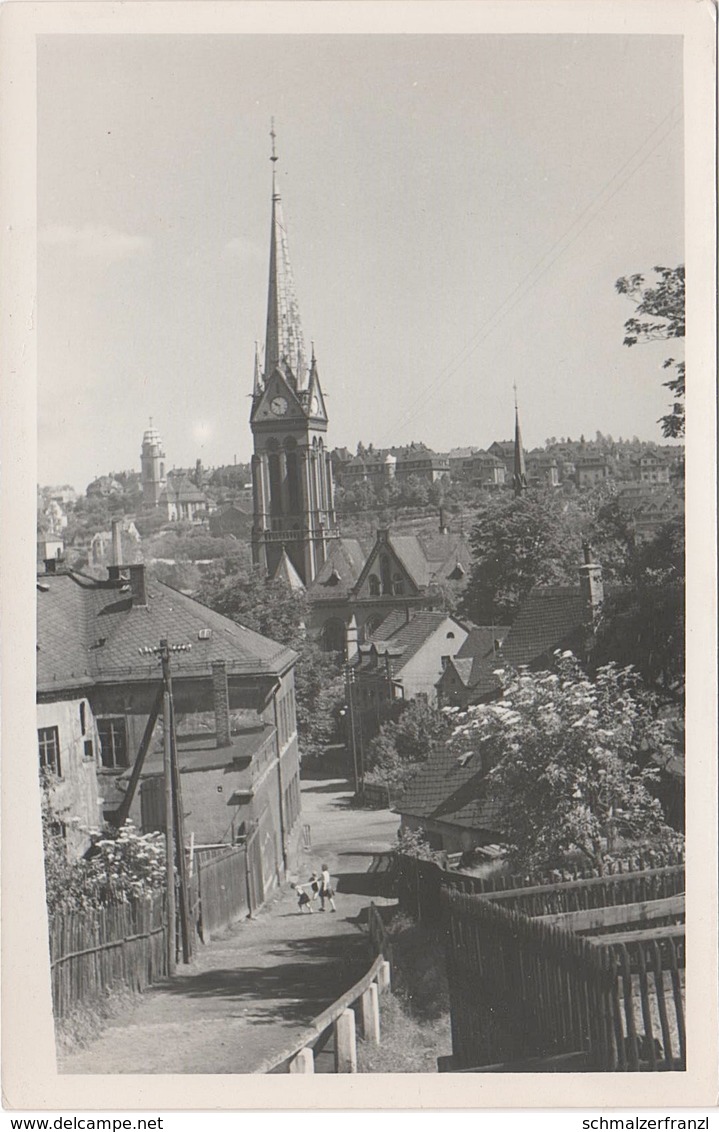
326, 890
303, 899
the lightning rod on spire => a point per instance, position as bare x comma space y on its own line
273, 135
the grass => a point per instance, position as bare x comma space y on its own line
414, 1019
88, 1019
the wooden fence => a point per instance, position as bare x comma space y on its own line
91, 953
330, 1041
419, 884
125, 945
224, 890
528, 992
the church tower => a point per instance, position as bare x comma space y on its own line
292, 491
153, 476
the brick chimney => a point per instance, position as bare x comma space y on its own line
221, 703
590, 581
137, 583
116, 551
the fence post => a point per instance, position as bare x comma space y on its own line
384, 977
345, 1043
369, 1009
303, 1062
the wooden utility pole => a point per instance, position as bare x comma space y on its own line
174, 817
169, 833
349, 681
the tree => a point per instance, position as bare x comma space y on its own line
402, 745
660, 315
643, 623
561, 753
277, 611
519, 542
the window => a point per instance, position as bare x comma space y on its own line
373, 585
113, 741
48, 739
445, 661
397, 584
88, 750
83, 720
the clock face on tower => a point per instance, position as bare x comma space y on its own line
316, 406
278, 406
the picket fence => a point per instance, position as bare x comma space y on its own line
527, 994
124, 946
91, 953
419, 884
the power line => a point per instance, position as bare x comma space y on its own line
593, 207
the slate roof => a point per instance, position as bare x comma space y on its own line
181, 490
401, 639
478, 655
345, 562
200, 752
446, 791
548, 617
89, 632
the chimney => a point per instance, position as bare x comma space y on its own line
352, 639
442, 522
137, 583
221, 703
116, 554
590, 581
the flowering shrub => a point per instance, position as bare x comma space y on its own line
562, 757
122, 865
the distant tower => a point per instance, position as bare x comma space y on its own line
154, 480
519, 479
292, 490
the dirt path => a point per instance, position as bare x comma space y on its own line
248, 994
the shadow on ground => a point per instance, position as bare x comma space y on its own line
365, 884
290, 991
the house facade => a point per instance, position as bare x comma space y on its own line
233, 693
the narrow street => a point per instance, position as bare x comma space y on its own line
249, 993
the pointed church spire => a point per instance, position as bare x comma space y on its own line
284, 341
257, 385
520, 469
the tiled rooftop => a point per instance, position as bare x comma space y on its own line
90, 633
445, 790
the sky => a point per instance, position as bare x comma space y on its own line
459, 208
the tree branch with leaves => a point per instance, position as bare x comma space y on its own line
660, 316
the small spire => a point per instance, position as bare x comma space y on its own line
314, 359
273, 135
520, 469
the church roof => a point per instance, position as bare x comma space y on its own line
286, 572
341, 570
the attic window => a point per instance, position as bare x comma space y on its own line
334, 578
450, 636
458, 572
204, 634
464, 759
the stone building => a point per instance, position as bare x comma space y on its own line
152, 457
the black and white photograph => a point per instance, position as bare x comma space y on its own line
363, 715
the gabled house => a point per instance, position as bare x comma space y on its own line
232, 519
403, 659
474, 663
181, 499
233, 693
449, 800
